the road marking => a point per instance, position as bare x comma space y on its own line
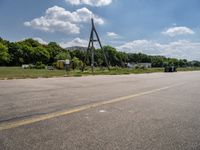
102, 111
31, 120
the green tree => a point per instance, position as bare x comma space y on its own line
16, 54
40, 54
112, 55
80, 54
173, 62
27, 52
99, 58
122, 58
157, 61
4, 55
62, 56
183, 63
31, 42
54, 49
76, 63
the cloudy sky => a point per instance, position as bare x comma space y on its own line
157, 27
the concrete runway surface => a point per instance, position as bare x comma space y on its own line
159, 111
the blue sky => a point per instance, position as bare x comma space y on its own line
156, 27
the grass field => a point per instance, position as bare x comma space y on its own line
19, 73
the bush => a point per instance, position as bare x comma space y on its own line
139, 67
76, 63
39, 65
31, 66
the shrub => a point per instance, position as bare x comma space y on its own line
76, 63
39, 65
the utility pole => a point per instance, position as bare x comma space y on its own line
91, 48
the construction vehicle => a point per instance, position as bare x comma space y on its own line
170, 69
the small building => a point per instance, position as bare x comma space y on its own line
145, 65
63, 64
25, 66
140, 65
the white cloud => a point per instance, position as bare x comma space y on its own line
74, 42
174, 31
57, 19
97, 3
41, 41
112, 35
182, 49
144, 46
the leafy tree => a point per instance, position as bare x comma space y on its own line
194, 63
99, 58
27, 52
183, 63
62, 56
4, 55
122, 58
4, 42
157, 61
54, 49
16, 54
112, 55
173, 62
1, 40
80, 54
40, 54
31, 51
31, 43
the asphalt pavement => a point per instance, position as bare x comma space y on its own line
159, 111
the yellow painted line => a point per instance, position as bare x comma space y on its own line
31, 120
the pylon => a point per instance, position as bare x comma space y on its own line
90, 49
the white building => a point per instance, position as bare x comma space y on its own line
134, 65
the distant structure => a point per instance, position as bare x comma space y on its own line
91, 48
135, 65
73, 48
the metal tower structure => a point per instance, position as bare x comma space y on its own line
91, 48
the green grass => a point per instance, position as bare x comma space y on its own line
19, 73
189, 69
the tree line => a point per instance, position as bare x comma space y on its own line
30, 51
